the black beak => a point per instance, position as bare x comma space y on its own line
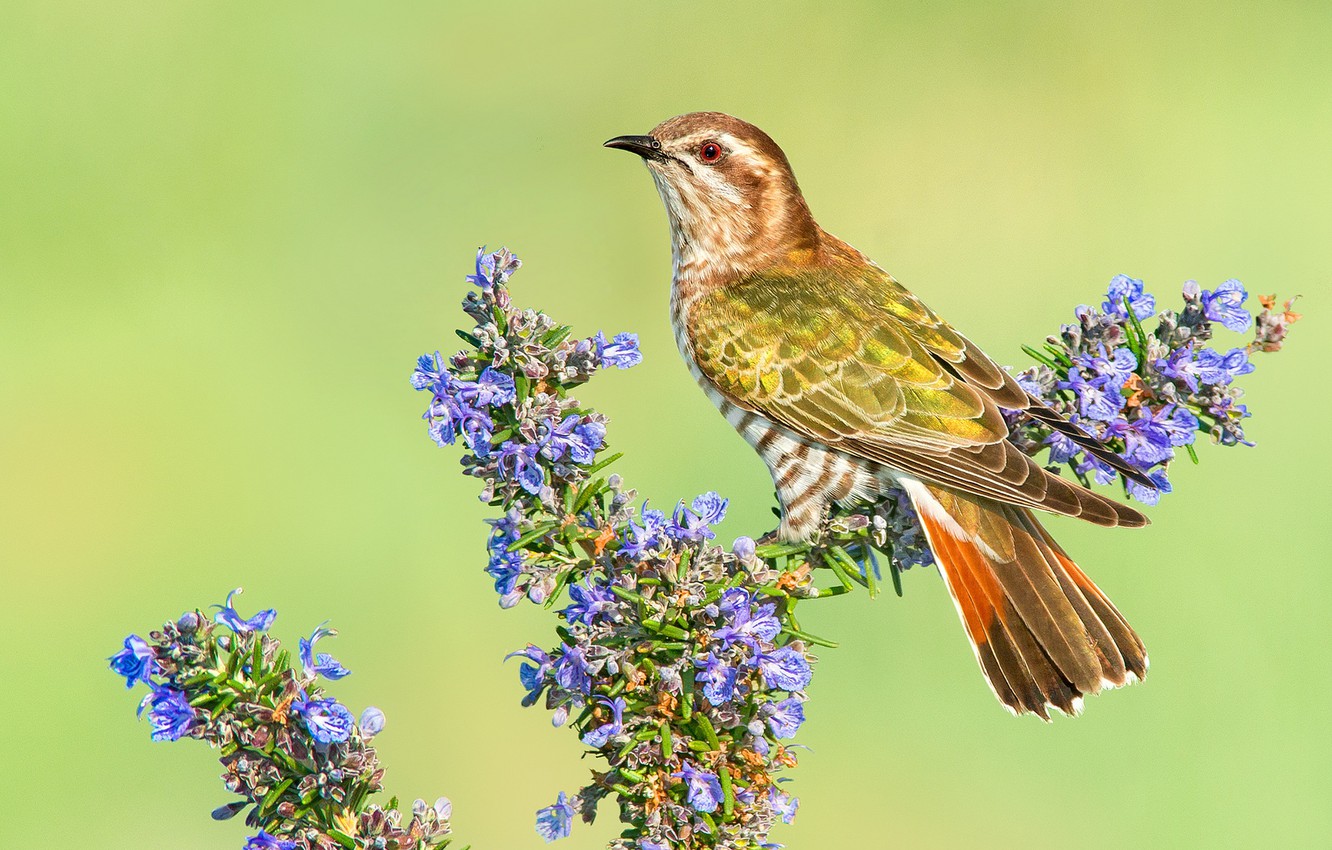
645, 146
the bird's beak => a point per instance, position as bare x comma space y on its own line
645, 146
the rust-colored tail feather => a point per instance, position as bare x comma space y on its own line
1044, 634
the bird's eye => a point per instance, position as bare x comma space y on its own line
710, 152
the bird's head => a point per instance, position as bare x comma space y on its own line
732, 200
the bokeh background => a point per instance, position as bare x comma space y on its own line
226, 231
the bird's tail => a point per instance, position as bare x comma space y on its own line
1044, 635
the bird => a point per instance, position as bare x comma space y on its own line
849, 387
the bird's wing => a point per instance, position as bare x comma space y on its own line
845, 356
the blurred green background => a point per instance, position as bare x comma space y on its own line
227, 230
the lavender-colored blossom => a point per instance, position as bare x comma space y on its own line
744, 548
136, 662
572, 671
744, 622
784, 718
1146, 440
1122, 287
491, 389
1180, 365
430, 373
785, 669
589, 602
602, 734
783, 804
1097, 399
1116, 367
695, 524
322, 663
264, 841
532, 675
1226, 305
169, 713
575, 438
621, 352
645, 539
1149, 495
1217, 368
371, 723
517, 462
555, 821
327, 720
228, 617
702, 789
717, 678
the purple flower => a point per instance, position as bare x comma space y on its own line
703, 789
1097, 399
717, 678
264, 841
1116, 368
1062, 447
228, 617
136, 662
532, 675
491, 389
1226, 305
556, 821
1180, 424
744, 548
1146, 440
621, 352
322, 664
783, 804
327, 720
1180, 366
746, 623
1124, 287
785, 670
517, 462
371, 722
572, 672
504, 568
574, 437
1220, 369
643, 540
695, 524
1150, 495
169, 713
590, 601
785, 717
485, 270
430, 373
601, 735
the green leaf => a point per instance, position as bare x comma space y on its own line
602, 464
809, 638
468, 338
343, 839
1193, 453
728, 793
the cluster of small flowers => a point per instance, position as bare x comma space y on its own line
1145, 394
680, 663
299, 758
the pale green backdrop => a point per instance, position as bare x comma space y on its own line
226, 231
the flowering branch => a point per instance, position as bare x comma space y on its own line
300, 762
683, 666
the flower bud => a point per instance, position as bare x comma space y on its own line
743, 548
188, 623
372, 722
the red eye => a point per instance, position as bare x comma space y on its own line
710, 152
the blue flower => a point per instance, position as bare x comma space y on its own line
1116, 368
327, 720
574, 437
228, 617
643, 540
505, 568
590, 601
785, 670
744, 548
621, 352
492, 388
785, 717
1062, 447
783, 804
703, 790
601, 735
532, 675
430, 373
485, 269
264, 841
555, 822
694, 524
322, 664
717, 678
1097, 399
517, 462
169, 713
572, 671
745, 623
1226, 305
1180, 424
136, 662
1122, 287
1181, 366
1146, 440
1220, 369
371, 722
1150, 495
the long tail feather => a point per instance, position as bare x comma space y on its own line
1045, 636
